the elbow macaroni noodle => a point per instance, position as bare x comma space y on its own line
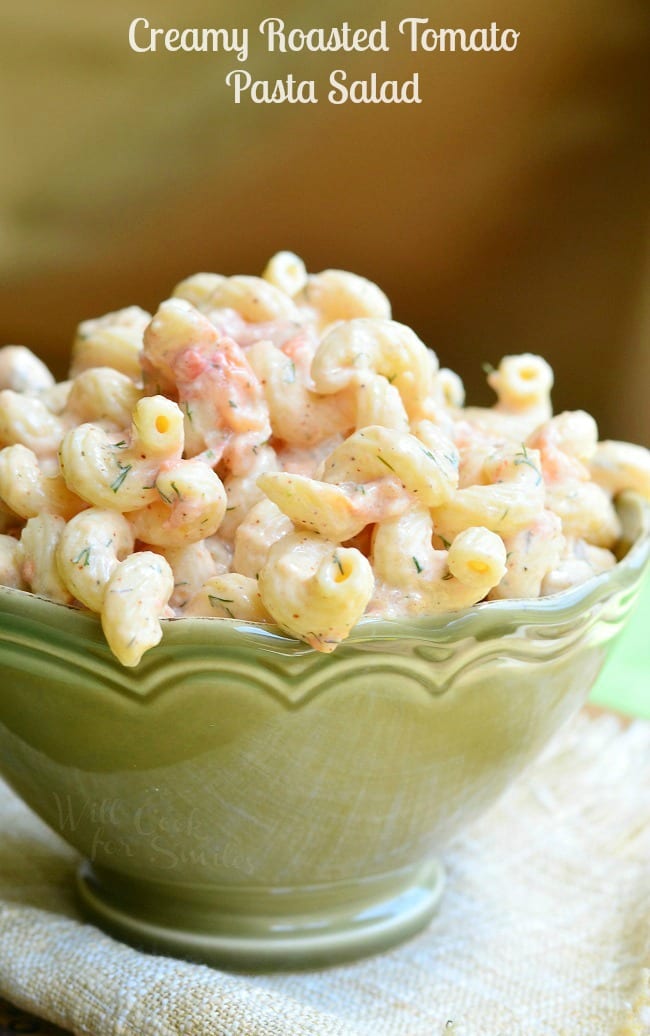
278, 449
90, 548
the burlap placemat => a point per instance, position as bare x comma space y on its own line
543, 929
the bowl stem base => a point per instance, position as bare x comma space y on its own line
263, 942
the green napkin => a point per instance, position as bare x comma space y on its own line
624, 683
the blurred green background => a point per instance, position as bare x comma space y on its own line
624, 683
507, 212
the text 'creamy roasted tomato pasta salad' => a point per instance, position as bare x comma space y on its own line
277, 449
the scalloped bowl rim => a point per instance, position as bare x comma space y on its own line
481, 620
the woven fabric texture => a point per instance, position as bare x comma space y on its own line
543, 929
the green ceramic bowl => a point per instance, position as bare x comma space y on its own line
239, 798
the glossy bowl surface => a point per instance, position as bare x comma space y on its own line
241, 799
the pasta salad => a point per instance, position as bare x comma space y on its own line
278, 449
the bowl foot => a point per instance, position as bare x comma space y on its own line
193, 924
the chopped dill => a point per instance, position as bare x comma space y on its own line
83, 557
385, 462
523, 458
124, 470
432, 457
163, 496
223, 602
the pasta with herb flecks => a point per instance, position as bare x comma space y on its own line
278, 449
